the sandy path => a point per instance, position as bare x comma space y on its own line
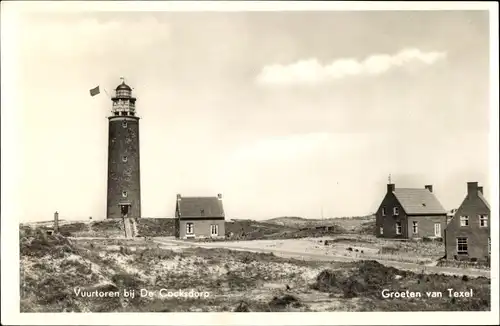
260, 246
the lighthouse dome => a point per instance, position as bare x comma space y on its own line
123, 87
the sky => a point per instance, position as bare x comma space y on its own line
284, 113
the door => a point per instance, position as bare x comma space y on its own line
437, 229
124, 209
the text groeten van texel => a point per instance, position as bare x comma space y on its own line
130, 293
449, 293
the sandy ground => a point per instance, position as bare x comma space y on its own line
312, 249
313, 246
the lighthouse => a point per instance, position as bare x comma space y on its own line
124, 180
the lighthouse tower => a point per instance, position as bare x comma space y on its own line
124, 181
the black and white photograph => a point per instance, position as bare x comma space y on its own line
286, 158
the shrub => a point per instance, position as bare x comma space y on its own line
246, 259
236, 281
365, 280
126, 280
37, 243
352, 287
51, 289
325, 281
388, 250
242, 307
281, 302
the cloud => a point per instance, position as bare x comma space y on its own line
311, 71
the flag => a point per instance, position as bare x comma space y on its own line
95, 91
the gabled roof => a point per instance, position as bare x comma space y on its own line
200, 207
480, 194
418, 201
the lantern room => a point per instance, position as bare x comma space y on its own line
123, 101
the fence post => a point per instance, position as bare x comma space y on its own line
56, 222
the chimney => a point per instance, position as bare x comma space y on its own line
480, 189
390, 187
428, 187
219, 196
178, 196
472, 188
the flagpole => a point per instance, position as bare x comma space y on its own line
105, 91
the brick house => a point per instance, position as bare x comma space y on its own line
199, 217
467, 236
410, 213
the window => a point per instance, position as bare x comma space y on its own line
395, 211
383, 211
123, 93
489, 246
214, 229
189, 228
415, 227
437, 230
124, 194
464, 221
381, 230
483, 221
462, 247
124, 158
124, 124
398, 227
